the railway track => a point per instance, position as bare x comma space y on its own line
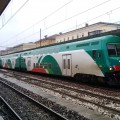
102, 102
6, 112
77, 94
52, 114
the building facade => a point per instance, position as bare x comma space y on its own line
46, 41
21, 47
88, 30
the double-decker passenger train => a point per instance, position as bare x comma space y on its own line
95, 59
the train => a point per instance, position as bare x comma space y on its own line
91, 60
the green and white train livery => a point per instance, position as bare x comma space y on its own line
92, 58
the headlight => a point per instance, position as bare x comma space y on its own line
110, 68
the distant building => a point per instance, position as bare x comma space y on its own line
3, 52
88, 30
46, 41
21, 47
25, 46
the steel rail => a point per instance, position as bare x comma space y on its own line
13, 113
76, 97
78, 90
74, 89
59, 116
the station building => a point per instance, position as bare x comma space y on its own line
82, 33
88, 30
48, 40
20, 47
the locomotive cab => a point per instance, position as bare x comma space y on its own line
113, 62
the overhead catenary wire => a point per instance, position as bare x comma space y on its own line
79, 32
14, 14
62, 21
94, 18
43, 18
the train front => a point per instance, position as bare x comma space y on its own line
113, 61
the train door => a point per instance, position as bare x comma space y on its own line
29, 63
66, 65
98, 57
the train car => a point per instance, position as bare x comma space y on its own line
95, 59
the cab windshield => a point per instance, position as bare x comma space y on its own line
113, 49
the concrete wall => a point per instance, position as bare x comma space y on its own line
45, 42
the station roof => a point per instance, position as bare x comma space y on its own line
3, 5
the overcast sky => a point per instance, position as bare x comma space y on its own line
22, 20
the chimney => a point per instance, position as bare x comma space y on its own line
86, 24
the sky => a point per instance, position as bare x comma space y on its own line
22, 20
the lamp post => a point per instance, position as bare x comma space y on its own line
40, 37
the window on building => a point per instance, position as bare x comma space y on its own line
82, 35
68, 38
77, 36
72, 37
118, 27
94, 32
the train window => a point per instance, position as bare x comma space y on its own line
95, 43
118, 50
41, 65
99, 54
67, 47
50, 66
13, 62
94, 54
64, 63
34, 65
82, 45
29, 63
45, 65
37, 65
68, 63
111, 50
